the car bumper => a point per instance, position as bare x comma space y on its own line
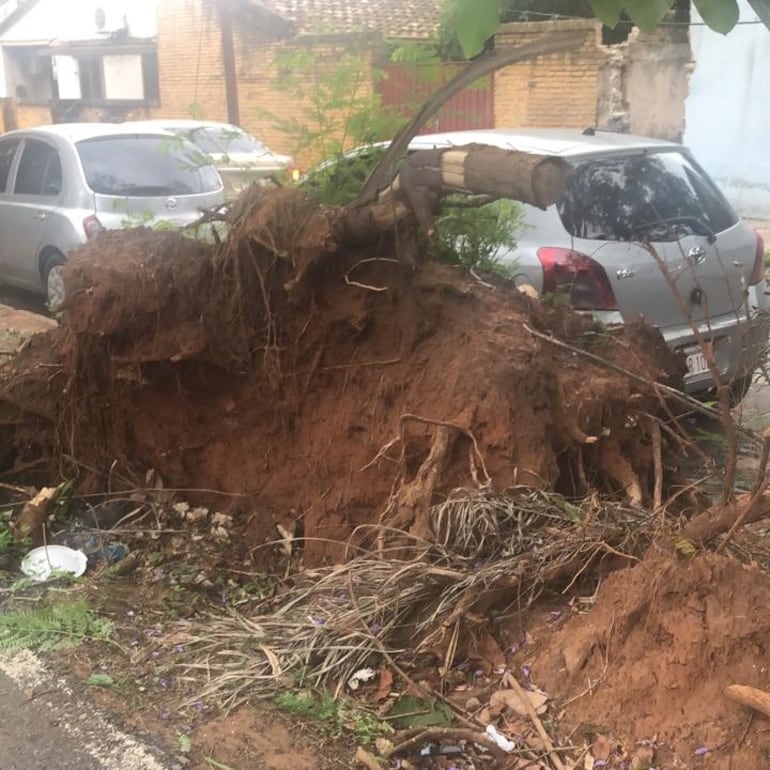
739, 342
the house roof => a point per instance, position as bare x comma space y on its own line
12, 11
404, 19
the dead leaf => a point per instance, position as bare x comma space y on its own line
385, 685
509, 699
604, 746
487, 652
642, 758
272, 659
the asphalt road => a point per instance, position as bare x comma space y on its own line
45, 725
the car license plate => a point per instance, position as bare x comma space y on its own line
696, 364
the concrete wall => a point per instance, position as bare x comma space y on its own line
657, 71
728, 111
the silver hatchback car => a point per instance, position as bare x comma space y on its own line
642, 232
61, 185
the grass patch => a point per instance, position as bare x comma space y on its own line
58, 627
333, 717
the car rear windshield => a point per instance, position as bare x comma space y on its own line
144, 166
655, 196
223, 140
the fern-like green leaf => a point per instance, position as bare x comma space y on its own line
57, 627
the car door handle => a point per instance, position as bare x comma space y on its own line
41, 215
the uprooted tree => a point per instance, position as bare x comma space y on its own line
313, 371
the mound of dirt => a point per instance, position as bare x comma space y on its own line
655, 654
324, 388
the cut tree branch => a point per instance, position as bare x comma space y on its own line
385, 171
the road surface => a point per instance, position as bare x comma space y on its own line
45, 725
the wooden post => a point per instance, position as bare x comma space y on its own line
228, 62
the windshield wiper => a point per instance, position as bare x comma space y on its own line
700, 226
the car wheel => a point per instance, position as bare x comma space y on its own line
53, 282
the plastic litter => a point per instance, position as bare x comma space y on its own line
362, 675
43, 562
504, 743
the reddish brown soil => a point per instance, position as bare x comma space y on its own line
654, 655
324, 391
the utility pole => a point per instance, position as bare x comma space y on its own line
228, 62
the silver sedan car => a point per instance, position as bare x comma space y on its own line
642, 232
62, 185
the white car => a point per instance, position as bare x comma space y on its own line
239, 158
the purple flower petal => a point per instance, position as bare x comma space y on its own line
526, 672
701, 751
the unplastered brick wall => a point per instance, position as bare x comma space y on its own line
313, 61
29, 116
192, 73
190, 61
638, 85
558, 90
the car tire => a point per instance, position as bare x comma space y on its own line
53, 283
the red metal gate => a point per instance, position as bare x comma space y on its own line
403, 89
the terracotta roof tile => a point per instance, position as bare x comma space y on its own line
394, 18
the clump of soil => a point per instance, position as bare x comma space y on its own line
327, 388
655, 654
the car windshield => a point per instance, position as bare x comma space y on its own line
224, 139
656, 196
144, 166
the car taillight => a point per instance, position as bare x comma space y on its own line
758, 272
92, 226
579, 277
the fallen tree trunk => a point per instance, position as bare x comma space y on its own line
427, 176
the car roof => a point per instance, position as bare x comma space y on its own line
171, 123
544, 141
76, 132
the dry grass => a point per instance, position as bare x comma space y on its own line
335, 620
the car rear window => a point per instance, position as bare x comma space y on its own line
144, 166
223, 140
656, 196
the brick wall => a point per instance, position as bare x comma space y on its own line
192, 74
594, 84
31, 115
555, 91
260, 91
190, 61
